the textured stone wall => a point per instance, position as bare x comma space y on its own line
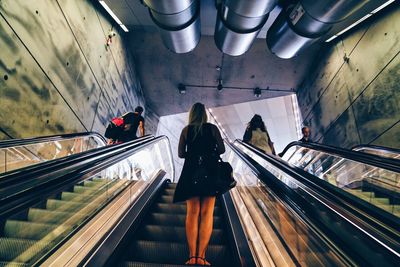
348, 103
57, 74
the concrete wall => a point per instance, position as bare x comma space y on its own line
348, 103
56, 73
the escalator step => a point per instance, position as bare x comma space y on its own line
76, 197
29, 230
169, 192
11, 248
84, 189
176, 208
171, 186
144, 264
174, 253
168, 200
60, 205
13, 264
175, 220
173, 234
48, 216
95, 183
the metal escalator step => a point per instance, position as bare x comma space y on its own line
171, 186
11, 248
145, 264
48, 216
173, 234
13, 264
168, 199
95, 183
380, 200
174, 253
176, 208
29, 230
175, 220
84, 189
169, 192
61, 205
77, 197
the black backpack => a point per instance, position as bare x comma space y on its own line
115, 128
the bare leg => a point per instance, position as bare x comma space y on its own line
206, 226
192, 226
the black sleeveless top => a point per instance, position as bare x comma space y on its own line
202, 145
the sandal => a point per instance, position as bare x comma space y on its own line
204, 261
193, 257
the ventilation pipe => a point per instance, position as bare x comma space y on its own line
238, 24
300, 25
178, 22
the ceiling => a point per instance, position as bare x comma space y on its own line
160, 71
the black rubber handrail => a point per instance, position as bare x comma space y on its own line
25, 173
42, 179
51, 138
382, 226
373, 160
388, 239
382, 148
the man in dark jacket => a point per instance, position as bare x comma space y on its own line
306, 135
131, 122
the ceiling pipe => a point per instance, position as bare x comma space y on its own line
178, 22
300, 25
238, 24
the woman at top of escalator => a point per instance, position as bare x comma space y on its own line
200, 144
256, 134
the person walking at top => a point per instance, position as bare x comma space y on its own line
199, 141
306, 135
132, 121
256, 134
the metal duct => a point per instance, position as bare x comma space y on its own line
238, 24
178, 22
298, 26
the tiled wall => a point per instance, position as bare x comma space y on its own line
56, 73
358, 101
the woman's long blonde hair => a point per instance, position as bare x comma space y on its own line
197, 117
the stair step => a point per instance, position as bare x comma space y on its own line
145, 264
11, 248
173, 234
174, 253
13, 264
84, 189
76, 197
171, 186
176, 208
174, 219
61, 205
169, 192
49, 216
28, 230
167, 199
95, 183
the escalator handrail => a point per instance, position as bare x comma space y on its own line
15, 176
383, 227
375, 147
373, 160
50, 138
262, 174
47, 179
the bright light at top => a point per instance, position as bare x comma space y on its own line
106, 7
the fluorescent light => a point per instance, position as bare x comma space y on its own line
360, 20
113, 15
382, 6
124, 28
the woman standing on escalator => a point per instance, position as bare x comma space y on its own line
200, 143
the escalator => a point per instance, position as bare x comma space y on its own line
43, 206
386, 152
161, 237
368, 176
113, 206
19, 153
